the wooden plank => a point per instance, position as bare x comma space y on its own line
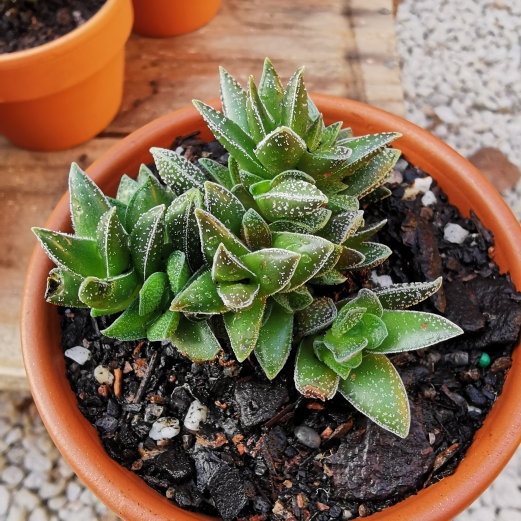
374, 30
165, 74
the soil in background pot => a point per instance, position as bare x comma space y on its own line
25, 24
247, 461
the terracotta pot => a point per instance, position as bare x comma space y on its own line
171, 17
63, 93
123, 491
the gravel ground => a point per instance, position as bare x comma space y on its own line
461, 66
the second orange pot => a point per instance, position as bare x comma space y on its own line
63, 93
172, 17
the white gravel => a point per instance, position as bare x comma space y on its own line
461, 66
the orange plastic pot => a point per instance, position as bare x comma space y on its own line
171, 17
63, 93
124, 492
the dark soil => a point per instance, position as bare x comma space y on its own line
246, 462
25, 24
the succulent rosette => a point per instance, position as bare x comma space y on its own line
242, 245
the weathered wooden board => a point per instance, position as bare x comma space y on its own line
347, 46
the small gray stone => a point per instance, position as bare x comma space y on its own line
34, 480
307, 436
5, 499
12, 476
56, 503
26, 499
35, 461
73, 491
153, 412
39, 514
457, 358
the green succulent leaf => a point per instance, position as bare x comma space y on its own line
248, 179
378, 194
289, 175
411, 330
182, 228
121, 209
346, 319
88, 203
113, 243
401, 296
63, 287
195, 340
146, 242
254, 231
213, 233
313, 378
233, 98
200, 296
130, 325
314, 252
288, 226
329, 135
271, 90
366, 299
316, 220
280, 150
295, 104
349, 259
373, 252
345, 135
149, 195
372, 175
112, 294
126, 189
314, 134
143, 174
164, 326
331, 278
297, 300
342, 203
243, 328
291, 199
150, 295
364, 149
233, 138
315, 317
273, 268
237, 295
376, 390
327, 357
223, 205
244, 196
332, 261
313, 112
218, 172
76, 254
176, 171
228, 268
259, 120
177, 271
367, 232
323, 165
342, 226
274, 342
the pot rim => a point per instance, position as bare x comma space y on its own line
67, 60
125, 493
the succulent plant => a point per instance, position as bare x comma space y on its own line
243, 246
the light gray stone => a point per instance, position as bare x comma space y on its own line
39, 514
26, 499
73, 491
57, 503
5, 500
12, 475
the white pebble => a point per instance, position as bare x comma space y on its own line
197, 413
384, 281
73, 491
79, 354
419, 186
17, 514
34, 480
307, 436
35, 461
455, 233
39, 514
103, 375
429, 198
26, 499
165, 429
5, 499
12, 476
56, 503
51, 489
13, 436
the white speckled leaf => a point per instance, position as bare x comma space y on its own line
297, 300
130, 325
274, 342
273, 268
313, 378
164, 326
218, 172
411, 330
196, 340
177, 271
295, 104
346, 319
326, 357
176, 171
376, 390
401, 296
221, 203
233, 138
127, 187
150, 295
255, 232
280, 150
314, 253
233, 98
315, 317
322, 165
342, 203
259, 120
374, 253
227, 267
271, 90
365, 299
367, 232
349, 259
243, 328
314, 133
330, 135
331, 278
378, 194
342, 226
87, 203
62, 288
113, 243
237, 296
